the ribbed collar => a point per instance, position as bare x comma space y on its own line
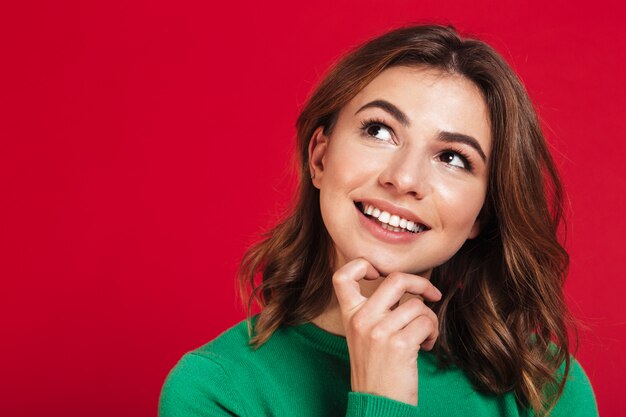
322, 340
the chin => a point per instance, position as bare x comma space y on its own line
387, 265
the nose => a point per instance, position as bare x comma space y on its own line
407, 173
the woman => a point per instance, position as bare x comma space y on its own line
419, 273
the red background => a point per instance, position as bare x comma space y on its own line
144, 145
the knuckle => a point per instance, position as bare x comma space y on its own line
434, 320
339, 278
397, 279
415, 305
427, 323
379, 334
359, 324
400, 343
361, 262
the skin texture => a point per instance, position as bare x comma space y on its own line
380, 283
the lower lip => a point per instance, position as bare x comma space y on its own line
385, 235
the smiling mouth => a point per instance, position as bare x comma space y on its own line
390, 221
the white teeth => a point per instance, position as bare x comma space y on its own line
392, 221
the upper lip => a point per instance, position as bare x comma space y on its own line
393, 209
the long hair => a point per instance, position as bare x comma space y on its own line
503, 318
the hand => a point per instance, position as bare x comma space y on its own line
384, 341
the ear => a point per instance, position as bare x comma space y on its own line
317, 155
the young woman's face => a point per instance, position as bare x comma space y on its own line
403, 175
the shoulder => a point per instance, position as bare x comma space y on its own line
235, 341
198, 384
577, 398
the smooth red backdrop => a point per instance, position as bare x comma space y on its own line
144, 145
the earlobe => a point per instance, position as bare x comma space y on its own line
317, 152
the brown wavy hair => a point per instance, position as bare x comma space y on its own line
503, 318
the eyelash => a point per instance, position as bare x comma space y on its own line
467, 160
366, 124
469, 166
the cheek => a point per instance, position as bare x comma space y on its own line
460, 203
348, 167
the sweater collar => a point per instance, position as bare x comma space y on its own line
322, 340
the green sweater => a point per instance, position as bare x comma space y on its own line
304, 371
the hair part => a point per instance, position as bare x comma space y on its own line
503, 318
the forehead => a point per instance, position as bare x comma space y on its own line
433, 101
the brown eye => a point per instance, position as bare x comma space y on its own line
454, 159
374, 130
378, 131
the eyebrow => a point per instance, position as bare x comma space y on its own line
448, 137
389, 108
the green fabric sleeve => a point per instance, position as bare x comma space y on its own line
578, 399
368, 405
195, 387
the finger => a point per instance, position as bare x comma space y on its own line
346, 283
394, 287
402, 316
405, 297
422, 332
